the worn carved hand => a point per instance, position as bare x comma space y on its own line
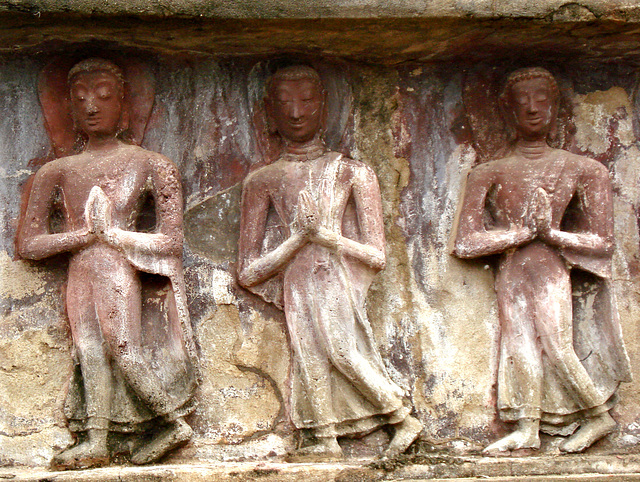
541, 212
306, 220
98, 212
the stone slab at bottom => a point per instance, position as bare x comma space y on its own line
576, 468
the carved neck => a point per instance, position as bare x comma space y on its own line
102, 144
306, 152
532, 149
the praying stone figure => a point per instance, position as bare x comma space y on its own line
548, 214
135, 359
311, 240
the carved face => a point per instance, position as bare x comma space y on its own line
296, 107
533, 107
96, 103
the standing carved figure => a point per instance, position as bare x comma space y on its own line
311, 240
549, 215
135, 360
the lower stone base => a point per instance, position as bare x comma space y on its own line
568, 468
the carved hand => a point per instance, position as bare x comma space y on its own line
541, 212
326, 238
97, 212
306, 220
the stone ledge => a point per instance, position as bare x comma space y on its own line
386, 41
616, 468
584, 10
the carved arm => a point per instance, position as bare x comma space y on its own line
34, 239
472, 239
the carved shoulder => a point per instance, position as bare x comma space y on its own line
359, 170
488, 172
53, 171
589, 168
160, 167
263, 177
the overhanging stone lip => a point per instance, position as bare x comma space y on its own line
583, 10
378, 40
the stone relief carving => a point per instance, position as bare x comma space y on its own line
548, 214
117, 210
311, 240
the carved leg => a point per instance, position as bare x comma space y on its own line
175, 434
407, 432
120, 312
526, 436
593, 430
555, 326
324, 450
96, 374
89, 454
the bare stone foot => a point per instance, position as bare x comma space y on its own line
594, 429
177, 433
325, 450
83, 456
407, 432
514, 441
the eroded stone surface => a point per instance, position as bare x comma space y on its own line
410, 115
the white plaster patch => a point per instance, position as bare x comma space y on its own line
36, 449
221, 286
594, 114
19, 278
269, 445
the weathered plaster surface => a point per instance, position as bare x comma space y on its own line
408, 96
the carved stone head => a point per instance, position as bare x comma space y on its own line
529, 101
96, 88
295, 104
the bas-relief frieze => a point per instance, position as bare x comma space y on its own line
549, 215
311, 241
329, 213
136, 370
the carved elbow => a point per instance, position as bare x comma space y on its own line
245, 279
24, 251
461, 251
21, 252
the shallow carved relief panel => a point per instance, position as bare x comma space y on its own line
116, 209
311, 239
548, 214
427, 326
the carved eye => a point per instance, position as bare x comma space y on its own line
103, 93
78, 95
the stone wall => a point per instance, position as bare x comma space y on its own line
416, 99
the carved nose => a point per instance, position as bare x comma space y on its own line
295, 110
91, 107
